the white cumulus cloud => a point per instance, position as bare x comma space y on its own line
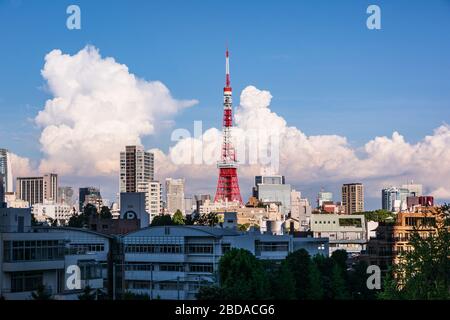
314, 159
97, 108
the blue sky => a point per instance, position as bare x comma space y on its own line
327, 72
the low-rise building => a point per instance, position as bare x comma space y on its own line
346, 232
52, 212
34, 256
392, 238
173, 262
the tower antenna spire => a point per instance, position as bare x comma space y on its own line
227, 69
227, 185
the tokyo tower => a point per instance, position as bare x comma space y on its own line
228, 184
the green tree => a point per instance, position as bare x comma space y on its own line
315, 288
105, 213
298, 262
178, 218
243, 227
88, 294
357, 283
90, 210
162, 220
210, 293
340, 258
128, 295
378, 215
282, 283
41, 293
208, 219
423, 272
325, 266
338, 284
242, 276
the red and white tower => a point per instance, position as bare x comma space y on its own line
228, 184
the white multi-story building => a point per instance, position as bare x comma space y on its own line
49, 211
300, 214
273, 188
344, 231
136, 171
175, 195
13, 202
6, 171
155, 199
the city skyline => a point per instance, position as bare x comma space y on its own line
336, 140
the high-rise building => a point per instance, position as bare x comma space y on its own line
6, 171
88, 195
353, 197
37, 189
136, 171
273, 188
415, 190
155, 199
50, 187
175, 195
394, 199
65, 196
324, 196
228, 184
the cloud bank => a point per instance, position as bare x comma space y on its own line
98, 107
306, 159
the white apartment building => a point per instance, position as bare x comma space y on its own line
347, 232
155, 199
136, 171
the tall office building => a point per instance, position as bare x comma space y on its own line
175, 195
273, 188
353, 197
6, 171
155, 199
136, 171
88, 195
395, 199
37, 189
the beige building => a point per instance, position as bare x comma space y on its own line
392, 238
37, 189
353, 197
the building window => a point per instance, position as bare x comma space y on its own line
138, 266
271, 246
153, 248
83, 248
201, 267
350, 222
199, 248
172, 267
226, 247
33, 250
170, 286
25, 281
